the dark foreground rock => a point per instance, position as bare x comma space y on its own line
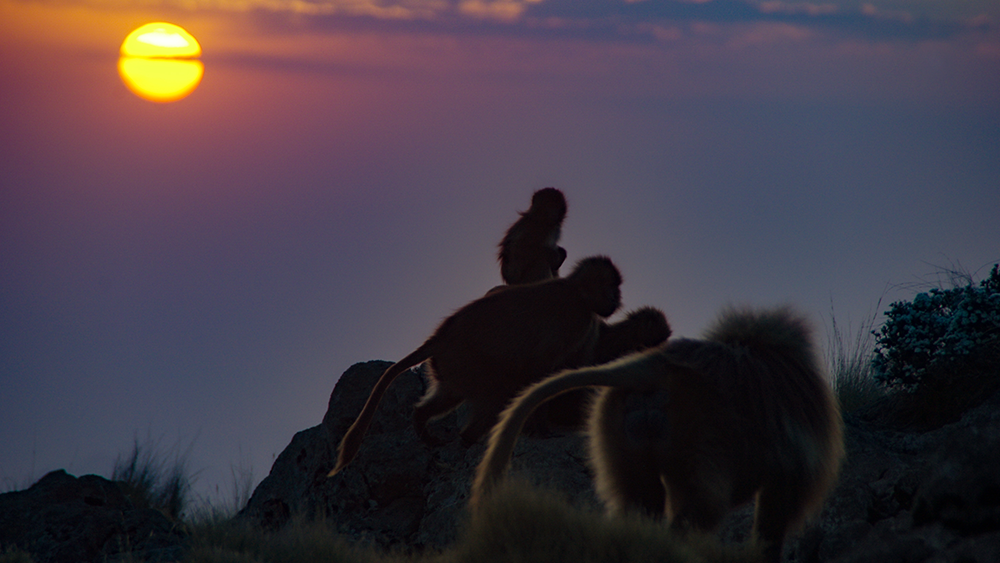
903, 496
65, 519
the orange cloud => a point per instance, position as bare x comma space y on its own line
504, 10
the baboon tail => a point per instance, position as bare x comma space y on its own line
351, 441
632, 371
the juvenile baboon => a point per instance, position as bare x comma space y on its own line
641, 329
694, 428
489, 350
529, 251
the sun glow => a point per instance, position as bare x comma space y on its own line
160, 80
157, 62
160, 39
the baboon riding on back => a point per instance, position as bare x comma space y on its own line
490, 349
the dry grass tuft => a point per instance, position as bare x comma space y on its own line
521, 524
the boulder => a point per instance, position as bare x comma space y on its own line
398, 491
67, 519
914, 496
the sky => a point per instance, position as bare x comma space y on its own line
196, 275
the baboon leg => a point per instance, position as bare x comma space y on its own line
483, 417
626, 474
437, 402
777, 507
699, 500
635, 489
700, 514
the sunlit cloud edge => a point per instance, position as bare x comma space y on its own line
587, 19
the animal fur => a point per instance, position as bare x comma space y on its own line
694, 428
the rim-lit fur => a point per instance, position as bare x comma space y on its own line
691, 429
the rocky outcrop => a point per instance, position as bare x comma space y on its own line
397, 492
932, 496
67, 519
902, 496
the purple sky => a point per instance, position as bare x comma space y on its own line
201, 272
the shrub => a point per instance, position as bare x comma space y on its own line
149, 482
940, 327
849, 356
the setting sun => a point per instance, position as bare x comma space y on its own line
160, 39
156, 62
160, 80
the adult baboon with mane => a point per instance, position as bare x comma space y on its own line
694, 428
490, 349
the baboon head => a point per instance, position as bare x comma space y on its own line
551, 202
599, 283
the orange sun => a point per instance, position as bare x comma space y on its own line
158, 62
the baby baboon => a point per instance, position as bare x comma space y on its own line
529, 251
489, 350
694, 428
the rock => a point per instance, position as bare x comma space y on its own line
65, 519
397, 491
963, 489
938, 502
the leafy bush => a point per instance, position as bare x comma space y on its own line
941, 327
